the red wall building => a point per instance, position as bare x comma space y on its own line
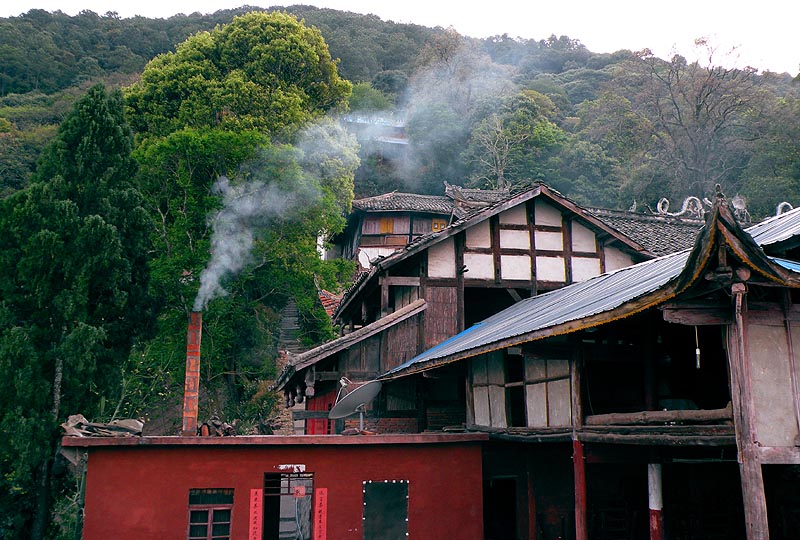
327, 487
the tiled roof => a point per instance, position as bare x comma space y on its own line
329, 301
475, 215
456, 198
657, 233
394, 202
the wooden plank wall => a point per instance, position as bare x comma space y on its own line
440, 320
401, 343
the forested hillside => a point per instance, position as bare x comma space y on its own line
149, 167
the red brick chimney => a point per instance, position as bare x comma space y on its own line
192, 381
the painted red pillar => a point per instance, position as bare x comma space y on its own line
656, 501
579, 468
191, 384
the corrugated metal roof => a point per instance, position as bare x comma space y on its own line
594, 296
570, 303
776, 229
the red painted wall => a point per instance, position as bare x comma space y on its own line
322, 402
136, 492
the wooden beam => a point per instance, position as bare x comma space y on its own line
460, 242
401, 281
384, 299
660, 417
568, 249
494, 228
575, 388
752, 478
531, 208
697, 316
660, 440
774, 455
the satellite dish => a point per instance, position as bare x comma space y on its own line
355, 401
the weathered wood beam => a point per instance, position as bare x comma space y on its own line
660, 417
697, 315
401, 281
657, 440
752, 478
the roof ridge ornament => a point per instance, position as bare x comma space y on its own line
694, 208
783, 207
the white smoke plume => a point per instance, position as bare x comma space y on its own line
245, 206
260, 198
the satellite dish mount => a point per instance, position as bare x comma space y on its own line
354, 401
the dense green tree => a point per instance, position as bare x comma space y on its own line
241, 183
73, 250
365, 98
773, 173
262, 71
510, 147
700, 121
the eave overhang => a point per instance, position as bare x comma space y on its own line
298, 363
617, 295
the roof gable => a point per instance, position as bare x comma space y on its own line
619, 294
480, 215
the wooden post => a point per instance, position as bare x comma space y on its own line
494, 228
579, 468
656, 501
460, 241
755, 504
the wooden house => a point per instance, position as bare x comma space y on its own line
657, 401
490, 257
379, 225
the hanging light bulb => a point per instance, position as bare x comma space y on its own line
697, 349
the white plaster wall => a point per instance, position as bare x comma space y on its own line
442, 259
616, 259
550, 269
583, 268
515, 267
366, 254
516, 215
582, 238
515, 239
480, 266
547, 214
549, 240
479, 235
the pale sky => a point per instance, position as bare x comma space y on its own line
764, 33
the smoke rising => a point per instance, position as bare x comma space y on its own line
273, 189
